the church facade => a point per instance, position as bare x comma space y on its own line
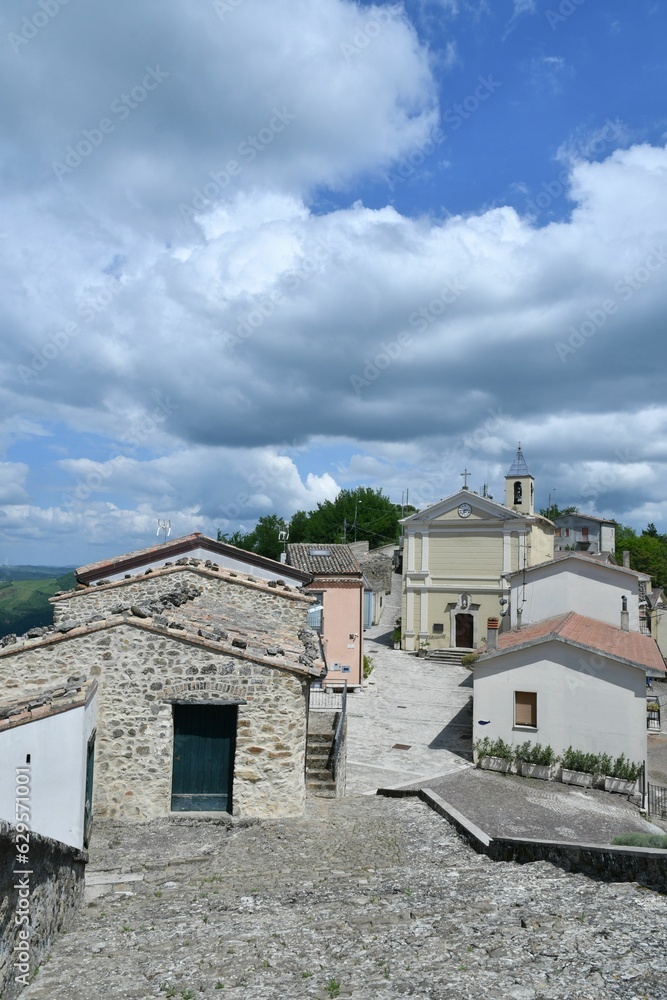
457, 558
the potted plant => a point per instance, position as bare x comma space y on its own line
396, 636
622, 776
579, 767
494, 755
423, 644
535, 761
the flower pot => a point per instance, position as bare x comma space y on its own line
577, 778
544, 772
495, 764
619, 785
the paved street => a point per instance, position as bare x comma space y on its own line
424, 706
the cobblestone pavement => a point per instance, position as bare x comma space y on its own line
366, 898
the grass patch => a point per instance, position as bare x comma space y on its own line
657, 840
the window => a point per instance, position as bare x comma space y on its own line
584, 533
525, 709
518, 493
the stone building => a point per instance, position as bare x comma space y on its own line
203, 678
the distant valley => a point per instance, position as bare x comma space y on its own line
25, 592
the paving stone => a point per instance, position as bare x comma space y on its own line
379, 896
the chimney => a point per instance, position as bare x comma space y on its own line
492, 626
625, 617
626, 558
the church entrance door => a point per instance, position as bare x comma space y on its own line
464, 631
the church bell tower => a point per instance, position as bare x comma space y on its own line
520, 486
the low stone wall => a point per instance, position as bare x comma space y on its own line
644, 865
37, 900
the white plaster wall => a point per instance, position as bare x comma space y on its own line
57, 746
583, 700
588, 589
242, 566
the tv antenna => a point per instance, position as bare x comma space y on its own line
164, 526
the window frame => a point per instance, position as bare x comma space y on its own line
529, 726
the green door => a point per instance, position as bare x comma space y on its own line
88, 806
204, 743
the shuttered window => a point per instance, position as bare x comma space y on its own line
525, 709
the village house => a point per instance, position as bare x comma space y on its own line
47, 746
338, 585
568, 681
458, 555
574, 581
203, 677
193, 546
584, 533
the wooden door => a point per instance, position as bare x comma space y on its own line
464, 631
203, 768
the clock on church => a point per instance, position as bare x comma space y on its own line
465, 510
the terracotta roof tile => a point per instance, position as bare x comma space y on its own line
632, 647
74, 693
325, 559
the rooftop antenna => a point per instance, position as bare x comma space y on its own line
164, 526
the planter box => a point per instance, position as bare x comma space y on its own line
544, 772
495, 764
577, 778
619, 785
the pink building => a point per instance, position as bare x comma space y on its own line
338, 583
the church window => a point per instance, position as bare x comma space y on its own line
518, 493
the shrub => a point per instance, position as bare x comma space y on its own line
468, 659
535, 753
578, 760
396, 634
652, 706
658, 840
625, 769
494, 748
368, 667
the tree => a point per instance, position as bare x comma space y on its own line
648, 552
363, 514
555, 511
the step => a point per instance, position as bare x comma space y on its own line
319, 774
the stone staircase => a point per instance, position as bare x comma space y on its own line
319, 750
449, 656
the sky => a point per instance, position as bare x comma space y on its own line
253, 253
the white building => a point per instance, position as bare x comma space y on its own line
573, 581
567, 681
47, 753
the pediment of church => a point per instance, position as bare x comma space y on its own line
463, 507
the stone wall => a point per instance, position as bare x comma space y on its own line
138, 669
48, 892
179, 584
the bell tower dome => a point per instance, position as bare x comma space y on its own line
520, 486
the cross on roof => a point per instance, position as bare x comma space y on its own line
465, 475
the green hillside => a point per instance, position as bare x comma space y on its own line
24, 603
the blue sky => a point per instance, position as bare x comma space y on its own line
255, 253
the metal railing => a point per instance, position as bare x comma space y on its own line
327, 700
656, 801
338, 738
